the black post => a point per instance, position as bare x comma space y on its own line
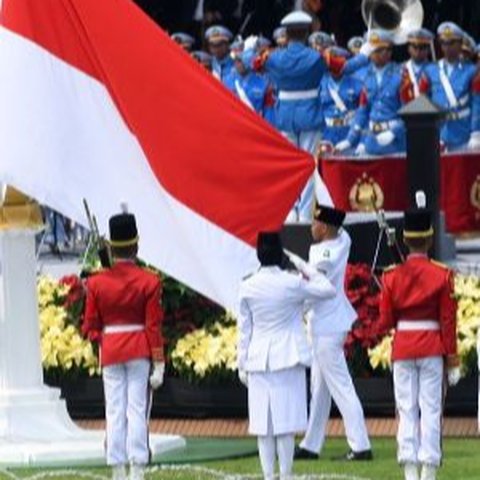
422, 119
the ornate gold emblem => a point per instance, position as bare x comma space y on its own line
475, 195
365, 194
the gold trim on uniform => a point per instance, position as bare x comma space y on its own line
424, 234
124, 243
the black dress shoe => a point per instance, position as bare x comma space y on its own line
356, 456
304, 454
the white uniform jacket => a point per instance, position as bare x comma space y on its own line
272, 334
336, 314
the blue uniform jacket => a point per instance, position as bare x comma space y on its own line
464, 118
336, 123
379, 109
222, 68
293, 69
298, 68
255, 86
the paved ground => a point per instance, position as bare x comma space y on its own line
377, 427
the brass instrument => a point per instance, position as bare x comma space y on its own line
397, 16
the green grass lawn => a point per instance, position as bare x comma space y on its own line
461, 462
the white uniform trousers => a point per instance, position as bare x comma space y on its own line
126, 405
280, 395
418, 387
308, 141
330, 378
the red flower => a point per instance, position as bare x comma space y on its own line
364, 295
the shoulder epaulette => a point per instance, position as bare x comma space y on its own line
440, 264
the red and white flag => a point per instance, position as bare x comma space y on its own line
97, 102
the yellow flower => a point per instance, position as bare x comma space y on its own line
61, 344
205, 350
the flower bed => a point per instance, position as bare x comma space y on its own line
201, 346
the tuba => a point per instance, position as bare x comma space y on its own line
397, 16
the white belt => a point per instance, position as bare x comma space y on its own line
297, 94
123, 328
458, 115
378, 127
414, 325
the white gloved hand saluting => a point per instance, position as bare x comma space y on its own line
156, 377
385, 138
300, 264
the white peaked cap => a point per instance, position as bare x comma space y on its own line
296, 18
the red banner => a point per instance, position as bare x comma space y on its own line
354, 184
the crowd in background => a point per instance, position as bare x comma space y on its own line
340, 17
331, 100
335, 93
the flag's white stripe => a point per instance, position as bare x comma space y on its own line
62, 139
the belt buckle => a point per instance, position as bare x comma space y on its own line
377, 128
337, 122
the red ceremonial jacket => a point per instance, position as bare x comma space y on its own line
418, 290
124, 296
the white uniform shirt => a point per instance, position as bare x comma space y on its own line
335, 314
272, 334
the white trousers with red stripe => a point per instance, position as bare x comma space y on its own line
126, 405
418, 386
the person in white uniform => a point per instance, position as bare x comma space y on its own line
273, 352
330, 322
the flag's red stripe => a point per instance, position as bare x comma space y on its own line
206, 148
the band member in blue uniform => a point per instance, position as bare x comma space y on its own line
455, 87
339, 98
218, 39
377, 125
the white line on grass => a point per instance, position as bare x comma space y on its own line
175, 468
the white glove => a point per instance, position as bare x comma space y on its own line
243, 376
366, 49
385, 138
342, 146
250, 43
474, 142
453, 376
360, 150
156, 378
